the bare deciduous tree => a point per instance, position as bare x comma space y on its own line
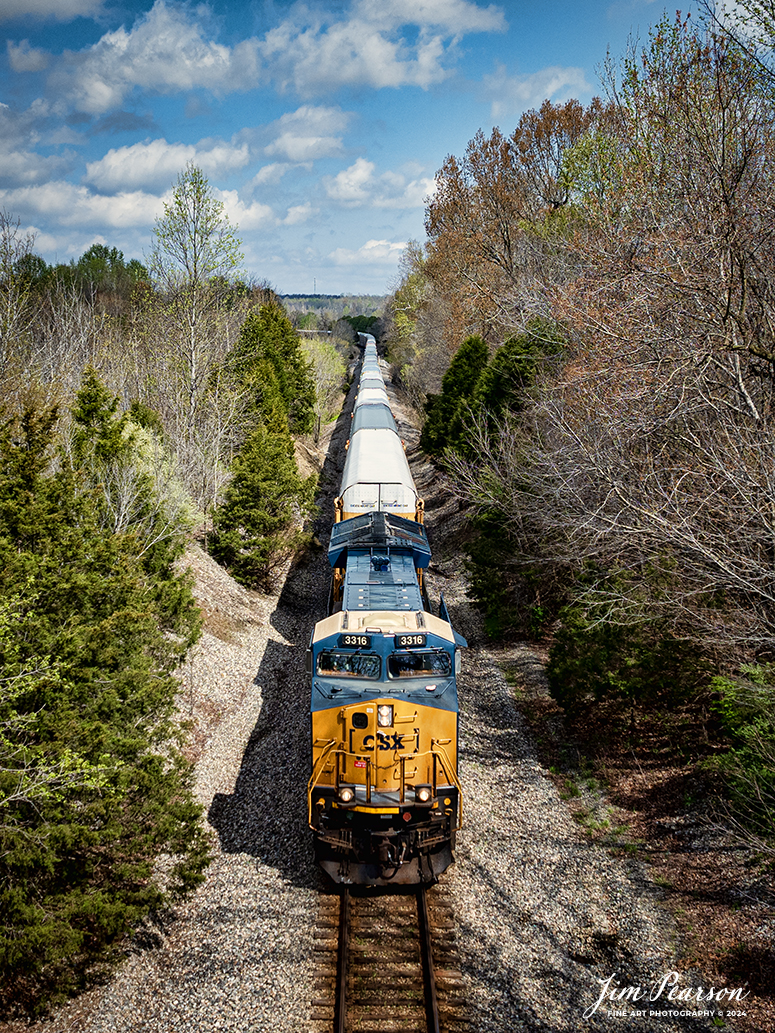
195, 254
653, 450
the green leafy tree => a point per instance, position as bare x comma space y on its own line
195, 256
364, 324
125, 466
329, 374
102, 273
194, 242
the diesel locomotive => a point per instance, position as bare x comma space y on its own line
384, 801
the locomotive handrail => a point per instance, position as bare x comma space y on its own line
449, 769
436, 751
324, 756
314, 777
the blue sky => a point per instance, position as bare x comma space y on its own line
320, 125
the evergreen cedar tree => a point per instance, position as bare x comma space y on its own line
268, 359
474, 388
256, 524
457, 387
92, 624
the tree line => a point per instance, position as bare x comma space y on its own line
140, 405
589, 328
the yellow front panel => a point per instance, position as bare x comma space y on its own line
415, 731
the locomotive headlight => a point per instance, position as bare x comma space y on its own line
346, 794
423, 794
385, 716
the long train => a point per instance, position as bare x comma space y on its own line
384, 800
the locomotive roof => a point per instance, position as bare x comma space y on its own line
389, 622
376, 579
379, 531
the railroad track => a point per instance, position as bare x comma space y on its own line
387, 963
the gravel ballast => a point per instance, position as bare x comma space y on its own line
543, 916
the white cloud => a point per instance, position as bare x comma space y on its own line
373, 252
22, 166
64, 135
68, 205
358, 186
512, 95
74, 214
299, 213
156, 163
315, 58
308, 133
271, 174
367, 48
167, 50
24, 58
352, 186
246, 216
397, 192
455, 16
59, 10
21, 132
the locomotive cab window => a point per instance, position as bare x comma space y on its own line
420, 664
333, 664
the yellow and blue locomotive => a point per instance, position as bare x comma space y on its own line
384, 800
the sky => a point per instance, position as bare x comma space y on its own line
320, 124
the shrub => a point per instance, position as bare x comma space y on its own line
594, 659
745, 704
457, 387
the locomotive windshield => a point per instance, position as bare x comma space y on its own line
435, 663
348, 665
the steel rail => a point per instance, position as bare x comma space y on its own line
429, 977
426, 958
340, 1004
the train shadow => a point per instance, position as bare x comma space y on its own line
266, 815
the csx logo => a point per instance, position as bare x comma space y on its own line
384, 742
